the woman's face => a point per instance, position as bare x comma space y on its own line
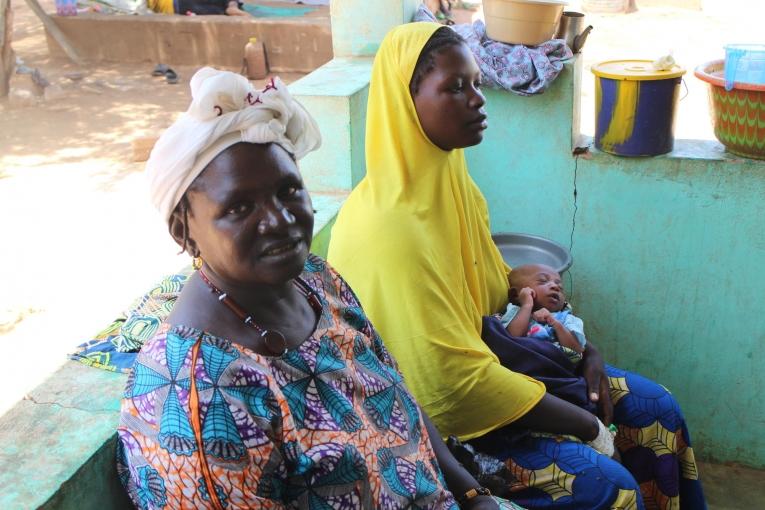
449, 102
250, 217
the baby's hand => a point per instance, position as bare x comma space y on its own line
543, 316
526, 296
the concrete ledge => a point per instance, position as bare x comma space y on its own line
707, 150
299, 44
54, 444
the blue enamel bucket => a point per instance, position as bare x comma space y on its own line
635, 107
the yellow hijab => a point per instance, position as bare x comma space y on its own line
414, 243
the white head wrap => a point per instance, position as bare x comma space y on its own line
225, 109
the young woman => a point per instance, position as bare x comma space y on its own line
413, 240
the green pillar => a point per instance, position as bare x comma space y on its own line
358, 26
336, 93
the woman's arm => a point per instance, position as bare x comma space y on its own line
556, 416
458, 480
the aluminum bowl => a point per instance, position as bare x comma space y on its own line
519, 249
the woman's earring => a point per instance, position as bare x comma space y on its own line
196, 263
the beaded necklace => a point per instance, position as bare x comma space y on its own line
273, 339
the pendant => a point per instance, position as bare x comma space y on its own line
274, 342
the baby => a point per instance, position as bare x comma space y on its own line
538, 309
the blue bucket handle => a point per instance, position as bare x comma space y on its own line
731, 64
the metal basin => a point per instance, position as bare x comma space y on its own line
519, 249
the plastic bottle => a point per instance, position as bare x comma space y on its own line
255, 60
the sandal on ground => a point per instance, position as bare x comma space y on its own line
160, 70
171, 76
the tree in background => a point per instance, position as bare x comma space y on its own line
7, 58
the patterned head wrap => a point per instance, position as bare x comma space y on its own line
225, 109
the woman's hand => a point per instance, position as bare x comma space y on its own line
481, 503
458, 479
594, 372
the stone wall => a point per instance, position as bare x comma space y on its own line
292, 44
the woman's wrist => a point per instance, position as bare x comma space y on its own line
473, 496
604, 441
591, 352
477, 501
462, 482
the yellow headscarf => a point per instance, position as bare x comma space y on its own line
414, 243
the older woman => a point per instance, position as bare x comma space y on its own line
413, 240
266, 387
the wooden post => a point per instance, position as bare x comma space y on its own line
7, 58
56, 32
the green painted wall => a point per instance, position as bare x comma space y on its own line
673, 251
669, 256
95, 486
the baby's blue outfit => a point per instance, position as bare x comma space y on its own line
546, 332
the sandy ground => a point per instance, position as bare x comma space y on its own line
78, 236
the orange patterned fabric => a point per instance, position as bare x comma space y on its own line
327, 425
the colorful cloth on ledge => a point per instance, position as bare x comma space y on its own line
658, 468
519, 69
114, 347
327, 425
413, 240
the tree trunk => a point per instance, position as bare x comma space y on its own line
7, 58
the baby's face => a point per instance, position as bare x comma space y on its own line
547, 286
